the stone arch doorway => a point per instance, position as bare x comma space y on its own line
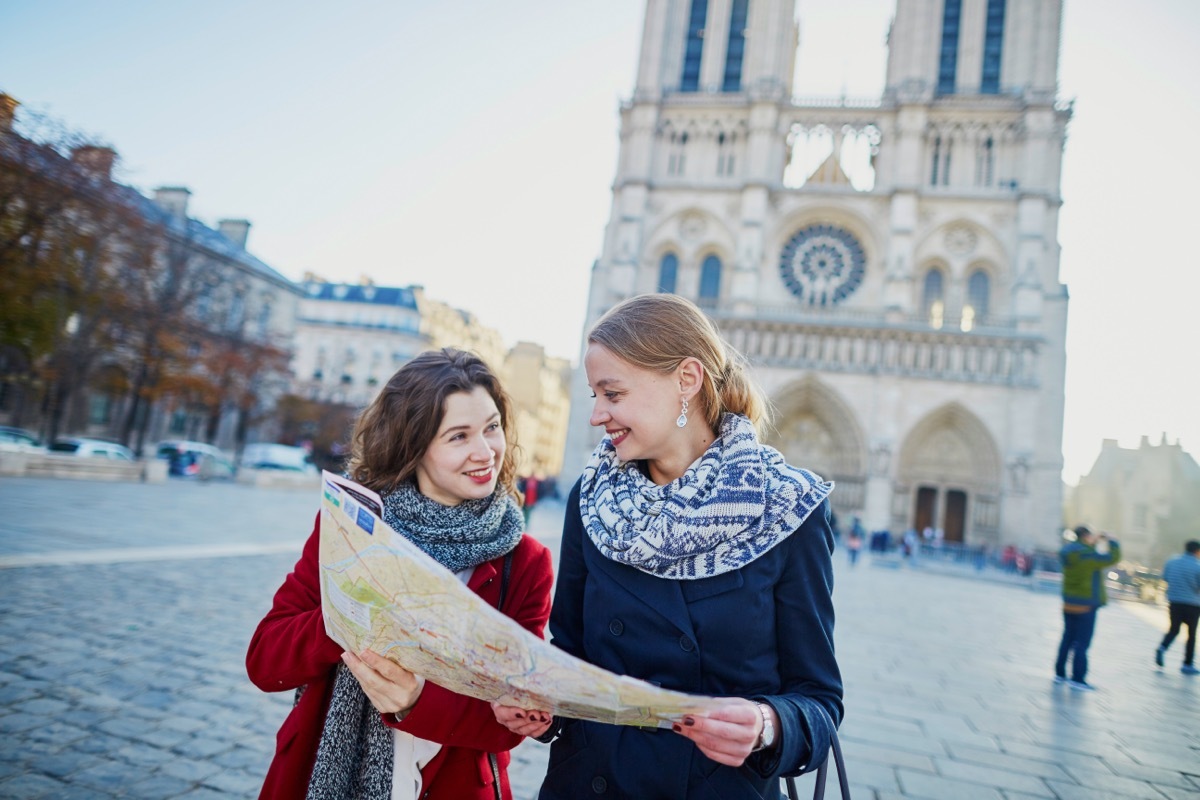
948, 478
816, 429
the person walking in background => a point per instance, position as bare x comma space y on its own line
434, 444
695, 558
1182, 574
528, 488
1083, 592
854, 543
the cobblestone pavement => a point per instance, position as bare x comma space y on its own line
125, 610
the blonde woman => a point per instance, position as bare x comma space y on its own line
693, 557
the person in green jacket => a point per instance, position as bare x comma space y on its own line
1083, 593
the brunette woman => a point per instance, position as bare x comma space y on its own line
695, 558
434, 444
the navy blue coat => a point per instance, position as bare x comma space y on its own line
763, 632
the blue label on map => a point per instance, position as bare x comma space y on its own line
366, 521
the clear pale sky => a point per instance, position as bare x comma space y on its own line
470, 147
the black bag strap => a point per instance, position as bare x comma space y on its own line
835, 748
504, 575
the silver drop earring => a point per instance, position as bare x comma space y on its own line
679, 423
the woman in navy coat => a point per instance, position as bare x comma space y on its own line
695, 558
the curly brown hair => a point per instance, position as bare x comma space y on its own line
393, 433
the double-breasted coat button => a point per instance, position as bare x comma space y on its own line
616, 627
599, 785
686, 644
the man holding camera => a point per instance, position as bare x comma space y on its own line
1083, 563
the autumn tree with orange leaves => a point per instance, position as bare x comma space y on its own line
101, 288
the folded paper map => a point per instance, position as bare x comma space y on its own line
379, 592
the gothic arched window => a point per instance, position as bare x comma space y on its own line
948, 61
933, 302
710, 281
976, 309
676, 154
736, 47
725, 143
690, 80
668, 269
940, 175
985, 169
993, 47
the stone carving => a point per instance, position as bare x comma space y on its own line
881, 460
1018, 475
944, 453
822, 265
946, 357
961, 240
692, 227
805, 440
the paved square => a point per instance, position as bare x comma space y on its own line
121, 647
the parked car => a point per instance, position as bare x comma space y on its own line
186, 459
278, 456
19, 440
90, 448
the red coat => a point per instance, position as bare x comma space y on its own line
290, 649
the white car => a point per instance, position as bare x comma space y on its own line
90, 448
278, 456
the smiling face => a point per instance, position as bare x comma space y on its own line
637, 409
464, 458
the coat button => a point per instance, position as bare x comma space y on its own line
686, 644
616, 627
599, 785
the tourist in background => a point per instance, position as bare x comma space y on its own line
1083, 592
1182, 574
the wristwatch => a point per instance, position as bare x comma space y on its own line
767, 737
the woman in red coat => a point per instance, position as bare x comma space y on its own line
433, 444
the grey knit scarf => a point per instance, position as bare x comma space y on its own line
354, 757
736, 502
457, 537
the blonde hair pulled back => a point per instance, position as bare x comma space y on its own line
657, 332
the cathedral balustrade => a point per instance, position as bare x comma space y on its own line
834, 116
842, 101
879, 344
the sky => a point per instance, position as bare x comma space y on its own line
470, 147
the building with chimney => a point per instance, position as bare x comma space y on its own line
350, 338
162, 327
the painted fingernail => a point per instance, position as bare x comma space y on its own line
689, 721
520, 715
675, 727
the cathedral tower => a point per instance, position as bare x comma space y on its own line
888, 265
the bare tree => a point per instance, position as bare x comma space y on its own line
61, 219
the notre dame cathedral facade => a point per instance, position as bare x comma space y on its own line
890, 266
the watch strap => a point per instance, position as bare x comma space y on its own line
766, 737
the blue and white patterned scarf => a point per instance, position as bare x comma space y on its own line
733, 504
